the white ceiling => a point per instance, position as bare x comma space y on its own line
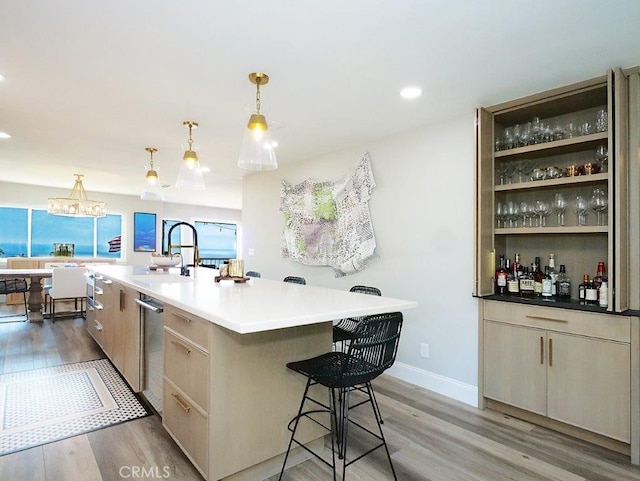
90, 83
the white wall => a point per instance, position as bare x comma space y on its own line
21, 195
423, 214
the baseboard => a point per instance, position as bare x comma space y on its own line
446, 386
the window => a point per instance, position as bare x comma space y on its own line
14, 236
216, 241
176, 238
35, 233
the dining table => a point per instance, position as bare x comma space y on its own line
35, 300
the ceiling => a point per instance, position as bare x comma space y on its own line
90, 83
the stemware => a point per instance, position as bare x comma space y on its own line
599, 203
500, 214
602, 156
541, 208
527, 212
582, 210
560, 205
513, 212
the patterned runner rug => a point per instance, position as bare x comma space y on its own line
45, 405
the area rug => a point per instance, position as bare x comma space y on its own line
45, 405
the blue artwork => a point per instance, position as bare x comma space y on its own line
144, 232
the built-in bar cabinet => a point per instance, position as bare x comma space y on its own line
563, 364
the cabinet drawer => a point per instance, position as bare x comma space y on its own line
605, 326
188, 325
187, 425
188, 368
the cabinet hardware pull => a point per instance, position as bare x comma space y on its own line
179, 344
181, 403
98, 291
182, 318
121, 300
541, 350
98, 326
107, 281
550, 352
543, 318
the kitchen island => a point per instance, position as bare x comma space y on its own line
228, 395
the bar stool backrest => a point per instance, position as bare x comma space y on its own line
372, 350
295, 280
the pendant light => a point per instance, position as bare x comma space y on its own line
190, 174
154, 191
257, 149
77, 204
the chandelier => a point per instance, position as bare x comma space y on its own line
77, 204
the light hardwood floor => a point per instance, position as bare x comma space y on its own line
431, 437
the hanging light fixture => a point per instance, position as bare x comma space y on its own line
257, 149
77, 204
155, 191
190, 174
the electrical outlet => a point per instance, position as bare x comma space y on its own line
424, 350
252, 252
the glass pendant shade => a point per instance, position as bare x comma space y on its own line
153, 194
152, 176
257, 150
152, 191
190, 173
77, 204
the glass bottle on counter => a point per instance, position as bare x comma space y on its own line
591, 292
501, 278
547, 284
513, 286
527, 284
582, 289
563, 287
538, 276
553, 274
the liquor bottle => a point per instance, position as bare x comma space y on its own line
603, 294
538, 276
564, 285
600, 275
527, 284
553, 274
513, 287
582, 289
516, 266
501, 278
547, 284
591, 293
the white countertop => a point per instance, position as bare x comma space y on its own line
257, 305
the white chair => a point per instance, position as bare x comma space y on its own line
46, 282
67, 283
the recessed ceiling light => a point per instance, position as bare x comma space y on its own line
411, 92
4, 135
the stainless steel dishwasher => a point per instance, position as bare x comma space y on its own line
151, 315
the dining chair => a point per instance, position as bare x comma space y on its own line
372, 350
295, 280
67, 283
16, 286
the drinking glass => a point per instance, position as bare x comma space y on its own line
582, 207
602, 121
527, 212
513, 212
542, 209
599, 203
500, 214
602, 156
560, 205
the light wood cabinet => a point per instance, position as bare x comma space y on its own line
579, 380
566, 363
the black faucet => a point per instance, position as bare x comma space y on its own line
184, 270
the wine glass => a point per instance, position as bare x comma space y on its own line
582, 207
599, 203
500, 214
542, 209
513, 212
527, 212
559, 206
602, 156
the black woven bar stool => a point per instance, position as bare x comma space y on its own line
295, 280
343, 331
371, 351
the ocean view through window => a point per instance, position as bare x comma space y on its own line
33, 233
217, 240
